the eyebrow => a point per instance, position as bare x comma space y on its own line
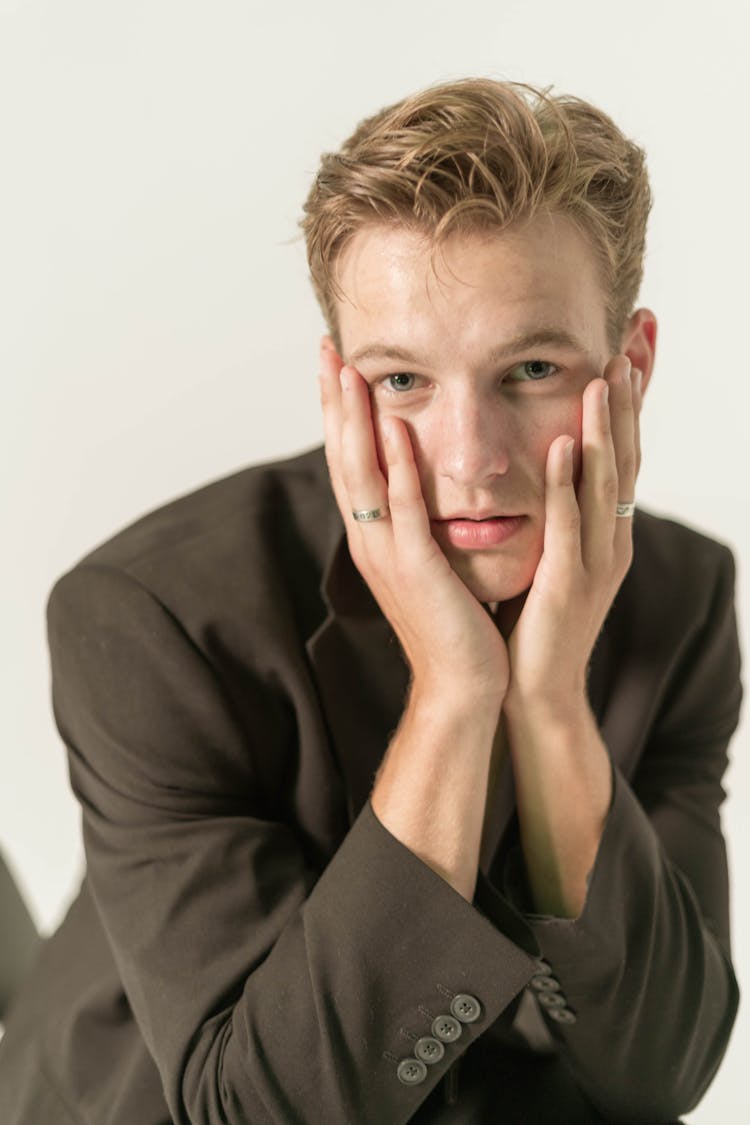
531, 338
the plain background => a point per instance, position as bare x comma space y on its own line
158, 329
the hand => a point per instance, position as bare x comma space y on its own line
588, 549
450, 641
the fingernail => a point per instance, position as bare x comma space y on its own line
343, 374
637, 377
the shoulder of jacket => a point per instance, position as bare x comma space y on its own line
245, 500
671, 545
259, 535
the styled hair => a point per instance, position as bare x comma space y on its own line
475, 156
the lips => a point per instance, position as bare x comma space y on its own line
473, 533
479, 518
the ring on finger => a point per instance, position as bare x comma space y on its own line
369, 515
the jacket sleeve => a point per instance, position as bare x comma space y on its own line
638, 991
265, 990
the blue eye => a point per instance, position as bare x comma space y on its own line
401, 382
399, 375
534, 377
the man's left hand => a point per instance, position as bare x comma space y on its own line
587, 552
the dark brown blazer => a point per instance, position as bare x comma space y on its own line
251, 945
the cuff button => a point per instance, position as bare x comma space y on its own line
562, 1015
429, 1050
465, 1007
411, 1072
551, 1000
544, 983
446, 1028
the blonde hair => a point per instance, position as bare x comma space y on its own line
477, 155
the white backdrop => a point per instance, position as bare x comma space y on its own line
157, 329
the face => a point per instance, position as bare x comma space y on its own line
482, 406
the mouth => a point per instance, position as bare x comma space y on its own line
475, 532
479, 518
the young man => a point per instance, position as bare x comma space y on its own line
400, 761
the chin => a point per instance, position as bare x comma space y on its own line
492, 579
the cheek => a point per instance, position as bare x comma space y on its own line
535, 442
564, 421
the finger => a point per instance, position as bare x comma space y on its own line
622, 411
363, 481
562, 526
598, 491
409, 518
637, 403
622, 420
330, 399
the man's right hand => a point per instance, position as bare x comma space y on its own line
450, 641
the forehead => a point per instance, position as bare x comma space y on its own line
539, 274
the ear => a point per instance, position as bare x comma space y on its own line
639, 343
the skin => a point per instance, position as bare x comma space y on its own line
472, 435
480, 437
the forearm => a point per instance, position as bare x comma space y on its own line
431, 789
563, 785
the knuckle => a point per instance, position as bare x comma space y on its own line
350, 463
352, 476
571, 521
400, 501
609, 489
629, 463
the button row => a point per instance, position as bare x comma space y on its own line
549, 994
445, 1029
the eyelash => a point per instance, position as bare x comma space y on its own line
391, 391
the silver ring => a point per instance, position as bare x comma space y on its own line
626, 509
369, 514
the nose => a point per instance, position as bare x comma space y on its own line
473, 446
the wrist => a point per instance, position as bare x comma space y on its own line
455, 699
548, 709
